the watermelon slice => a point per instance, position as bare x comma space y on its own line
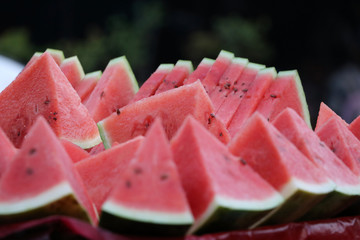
224, 193
213, 76
325, 112
73, 70
354, 127
251, 99
7, 152
240, 90
279, 162
75, 152
101, 171
116, 87
227, 80
175, 78
42, 89
149, 199
285, 91
87, 85
41, 181
335, 134
149, 87
58, 56
171, 106
200, 72
347, 189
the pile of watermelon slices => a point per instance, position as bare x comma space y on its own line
225, 146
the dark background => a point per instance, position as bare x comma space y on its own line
321, 41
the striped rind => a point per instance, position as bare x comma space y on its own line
44, 198
146, 215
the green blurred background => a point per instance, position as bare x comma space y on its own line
321, 41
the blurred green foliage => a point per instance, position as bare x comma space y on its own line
139, 33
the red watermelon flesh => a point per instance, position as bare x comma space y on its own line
251, 99
285, 91
7, 152
101, 171
45, 179
200, 72
149, 87
42, 89
218, 68
58, 56
325, 112
240, 90
73, 70
148, 192
354, 127
171, 106
227, 80
224, 193
97, 149
293, 127
280, 163
335, 134
75, 152
115, 89
87, 85
175, 78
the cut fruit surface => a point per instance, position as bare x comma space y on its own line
73, 70
224, 193
200, 72
42, 89
149, 193
171, 106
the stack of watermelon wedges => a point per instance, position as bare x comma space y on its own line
225, 146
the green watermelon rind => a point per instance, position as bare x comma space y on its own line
185, 63
165, 67
331, 205
301, 93
126, 220
299, 197
104, 138
60, 200
125, 63
75, 60
93, 75
207, 61
226, 54
224, 214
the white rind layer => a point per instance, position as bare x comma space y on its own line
207, 61
226, 54
91, 75
24, 205
297, 184
348, 189
186, 64
75, 60
103, 136
165, 67
85, 144
237, 205
149, 216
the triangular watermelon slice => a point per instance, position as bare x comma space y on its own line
7, 152
217, 69
58, 56
149, 199
200, 72
42, 89
335, 134
285, 91
73, 70
224, 193
239, 91
325, 112
279, 162
347, 189
116, 87
149, 87
42, 181
171, 106
227, 81
100, 172
251, 99
176, 77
